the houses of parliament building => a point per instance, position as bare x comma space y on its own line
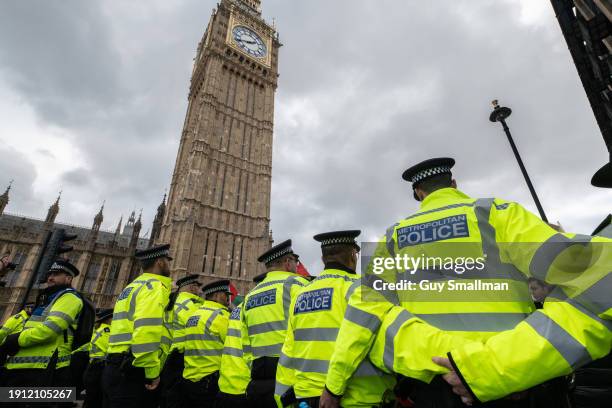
217, 214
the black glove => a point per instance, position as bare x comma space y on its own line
11, 345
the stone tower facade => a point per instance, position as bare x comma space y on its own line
218, 211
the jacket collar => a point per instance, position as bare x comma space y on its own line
442, 197
165, 280
339, 267
211, 304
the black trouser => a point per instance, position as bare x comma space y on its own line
438, 394
260, 391
231, 401
171, 378
39, 377
78, 364
124, 384
201, 394
92, 379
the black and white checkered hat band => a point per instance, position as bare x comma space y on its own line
434, 171
276, 255
156, 254
338, 240
58, 267
214, 289
188, 282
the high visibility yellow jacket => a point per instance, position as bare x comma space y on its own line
235, 371
13, 324
205, 333
512, 244
49, 329
99, 342
137, 322
265, 313
315, 318
184, 306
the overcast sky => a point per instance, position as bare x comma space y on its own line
93, 97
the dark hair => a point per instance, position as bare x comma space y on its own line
147, 263
337, 253
431, 184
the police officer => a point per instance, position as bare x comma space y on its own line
92, 378
15, 323
131, 374
315, 317
264, 320
41, 352
235, 371
205, 333
182, 304
511, 244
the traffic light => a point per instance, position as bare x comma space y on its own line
54, 248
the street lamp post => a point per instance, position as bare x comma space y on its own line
499, 114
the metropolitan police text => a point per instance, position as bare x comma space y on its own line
412, 264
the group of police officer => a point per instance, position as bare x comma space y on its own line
335, 340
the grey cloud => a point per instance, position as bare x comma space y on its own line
365, 89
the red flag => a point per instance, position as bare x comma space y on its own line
301, 270
234, 292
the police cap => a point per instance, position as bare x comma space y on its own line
344, 237
188, 280
277, 251
62, 265
222, 285
160, 251
427, 169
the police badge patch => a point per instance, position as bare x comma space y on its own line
432, 231
314, 301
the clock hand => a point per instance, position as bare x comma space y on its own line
247, 41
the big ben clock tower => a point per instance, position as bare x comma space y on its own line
218, 214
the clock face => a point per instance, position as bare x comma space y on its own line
249, 41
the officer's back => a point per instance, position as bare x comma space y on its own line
315, 318
264, 319
131, 375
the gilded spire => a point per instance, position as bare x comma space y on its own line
54, 209
4, 198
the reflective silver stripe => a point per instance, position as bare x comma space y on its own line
351, 289
36, 318
145, 347
202, 352
362, 318
267, 327
119, 338
284, 360
202, 337
62, 316
270, 283
479, 322
316, 334
246, 348
571, 349
331, 276
390, 333
32, 359
367, 369
548, 251
97, 336
148, 321
494, 268
120, 315
307, 365
448, 207
287, 294
597, 297
389, 239
53, 326
234, 333
559, 294
271, 350
181, 306
211, 319
178, 339
64, 358
166, 340
280, 388
232, 351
